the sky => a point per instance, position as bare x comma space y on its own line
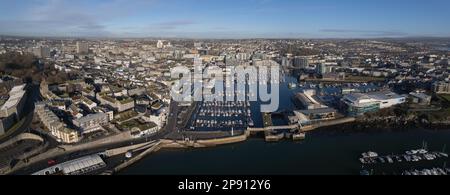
226, 18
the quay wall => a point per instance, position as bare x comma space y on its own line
176, 144
328, 123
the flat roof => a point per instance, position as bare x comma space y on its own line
91, 117
317, 111
420, 95
15, 95
384, 95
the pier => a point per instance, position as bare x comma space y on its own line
303, 128
155, 147
272, 128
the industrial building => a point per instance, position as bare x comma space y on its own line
81, 166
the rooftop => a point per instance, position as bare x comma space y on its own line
15, 95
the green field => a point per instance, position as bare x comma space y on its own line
445, 97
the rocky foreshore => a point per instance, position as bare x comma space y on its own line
387, 124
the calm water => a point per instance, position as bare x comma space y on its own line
320, 153
323, 152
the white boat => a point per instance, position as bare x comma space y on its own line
370, 154
389, 159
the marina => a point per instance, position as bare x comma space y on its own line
432, 171
221, 116
409, 156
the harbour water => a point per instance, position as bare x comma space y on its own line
323, 152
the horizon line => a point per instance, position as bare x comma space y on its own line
221, 38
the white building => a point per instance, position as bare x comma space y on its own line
160, 44
92, 122
358, 104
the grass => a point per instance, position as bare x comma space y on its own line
440, 115
126, 101
109, 99
129, 125
446, 97
126, 115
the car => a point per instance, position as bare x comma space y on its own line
51, 162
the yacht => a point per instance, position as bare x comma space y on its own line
292, 86
370, 154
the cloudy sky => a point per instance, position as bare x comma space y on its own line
226, 18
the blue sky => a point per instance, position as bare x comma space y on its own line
226, 18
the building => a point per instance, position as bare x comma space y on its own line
54, 125
41, 51
420, 98
82, 47
319, 114
198, 44
307, 100
12, 109
358, 104
441, 87
321, 69
88, 103
301, 62
136, 91
92, 122
81, 166
146, 130
243, 56
118, 105
285, 61
160, 44
158, 118
14, 104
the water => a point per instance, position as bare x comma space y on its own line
321, 153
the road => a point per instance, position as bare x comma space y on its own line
60, 155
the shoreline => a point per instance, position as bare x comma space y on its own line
170, 144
